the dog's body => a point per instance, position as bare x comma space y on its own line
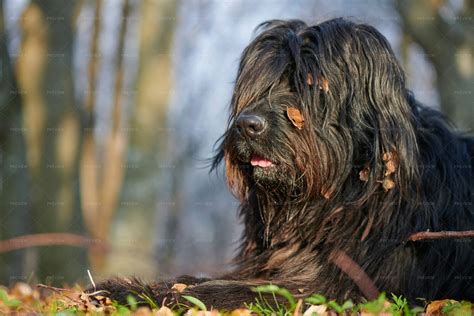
366, 169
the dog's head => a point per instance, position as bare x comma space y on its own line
315, 107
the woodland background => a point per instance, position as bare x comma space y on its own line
110, 108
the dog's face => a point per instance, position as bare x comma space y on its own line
263, 143
343, 80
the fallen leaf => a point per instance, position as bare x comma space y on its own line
22, 291
436, 307
298, 307
241, 312
295, 117
309, 79
179, 287
142, 311
164, 311
195, 312
318, 309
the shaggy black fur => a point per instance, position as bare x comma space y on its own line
344, 79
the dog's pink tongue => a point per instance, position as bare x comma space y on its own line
260, 161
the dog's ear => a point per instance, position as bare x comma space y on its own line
383, 110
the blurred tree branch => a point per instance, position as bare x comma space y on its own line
50, 239
448, 45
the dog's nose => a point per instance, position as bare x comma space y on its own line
251, 125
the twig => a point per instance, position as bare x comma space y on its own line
49, 239
55, 289
441, 235
355, 272
60, 291
97, 292
91, 279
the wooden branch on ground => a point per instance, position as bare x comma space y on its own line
441, 235
356, 273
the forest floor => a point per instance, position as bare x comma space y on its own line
24, 299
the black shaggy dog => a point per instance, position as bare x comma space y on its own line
329, 153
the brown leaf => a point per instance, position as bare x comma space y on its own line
142, 311
241, 312
387, 184
316, 309
436, 307
298, 307
179, 287
324, 85
195, 312
22, 290
387, 156
164, 311
84, 297
309, 79
391, 166
364, 174
295, 117
391, 162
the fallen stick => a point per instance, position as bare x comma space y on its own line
441, 235
356, 273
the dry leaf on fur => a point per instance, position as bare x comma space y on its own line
391, 162
324, 85
295, 117
364, 174
309, 79
387, 184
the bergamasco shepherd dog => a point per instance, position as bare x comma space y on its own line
330, 154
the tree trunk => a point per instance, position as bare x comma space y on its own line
448, 45
51, 120
146, 137
14, 191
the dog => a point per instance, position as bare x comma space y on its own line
329, 152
